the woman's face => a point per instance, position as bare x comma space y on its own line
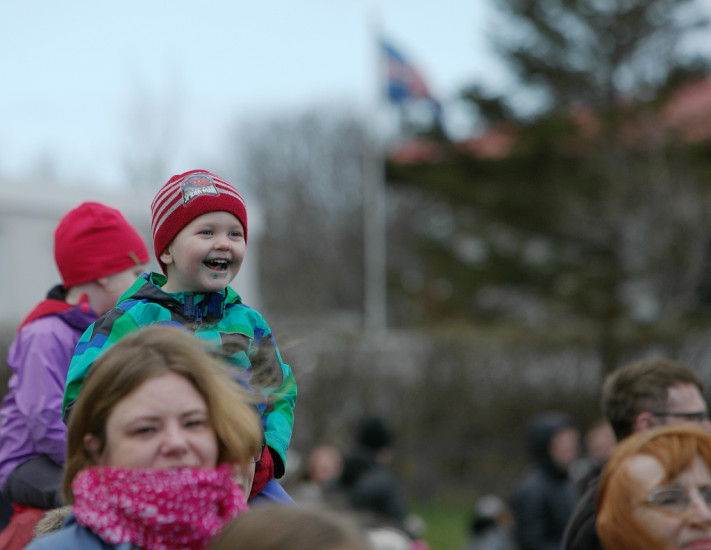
164, 423
688, 529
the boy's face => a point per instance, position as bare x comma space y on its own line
205, 255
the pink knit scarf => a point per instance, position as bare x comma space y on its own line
181, 508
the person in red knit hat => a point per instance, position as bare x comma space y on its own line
98, 255
199, 224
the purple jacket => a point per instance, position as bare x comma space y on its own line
31, 414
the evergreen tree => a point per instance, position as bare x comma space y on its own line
595, 215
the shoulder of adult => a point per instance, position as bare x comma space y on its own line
580, 531
72, 536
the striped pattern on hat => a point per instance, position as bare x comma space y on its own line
185, 197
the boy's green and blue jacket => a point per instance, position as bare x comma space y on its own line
233, 330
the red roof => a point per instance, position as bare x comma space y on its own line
686, 117
688, 112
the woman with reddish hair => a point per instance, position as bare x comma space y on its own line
655, 491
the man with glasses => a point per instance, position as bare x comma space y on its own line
636, 397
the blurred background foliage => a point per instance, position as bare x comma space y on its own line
589, 207
569, 235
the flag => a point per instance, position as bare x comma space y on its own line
404, 82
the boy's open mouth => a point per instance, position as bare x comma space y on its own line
217, 265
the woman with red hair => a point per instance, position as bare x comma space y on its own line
655, 491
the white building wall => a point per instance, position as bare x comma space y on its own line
29, 212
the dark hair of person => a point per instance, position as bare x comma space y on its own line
641, 386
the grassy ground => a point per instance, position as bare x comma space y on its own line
446, 526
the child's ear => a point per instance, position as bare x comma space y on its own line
92, 446
166, 256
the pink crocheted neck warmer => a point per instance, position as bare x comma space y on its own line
182, 508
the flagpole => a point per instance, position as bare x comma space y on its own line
374, 211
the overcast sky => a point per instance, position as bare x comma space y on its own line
73, 72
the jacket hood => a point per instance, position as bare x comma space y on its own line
185, 306
541, 431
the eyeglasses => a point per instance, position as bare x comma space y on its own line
677, 499
700, 416
257, 458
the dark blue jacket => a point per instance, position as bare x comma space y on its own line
545, 498
73, 536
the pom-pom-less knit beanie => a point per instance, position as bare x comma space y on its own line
94, 240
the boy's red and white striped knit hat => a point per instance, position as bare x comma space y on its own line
185, 197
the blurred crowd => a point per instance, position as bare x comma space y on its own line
154, 411
639, 478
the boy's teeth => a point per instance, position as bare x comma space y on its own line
217, 263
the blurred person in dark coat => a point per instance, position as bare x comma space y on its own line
544, 499
372, 490
367, 480
599, 441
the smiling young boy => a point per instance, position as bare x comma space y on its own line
199, 224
